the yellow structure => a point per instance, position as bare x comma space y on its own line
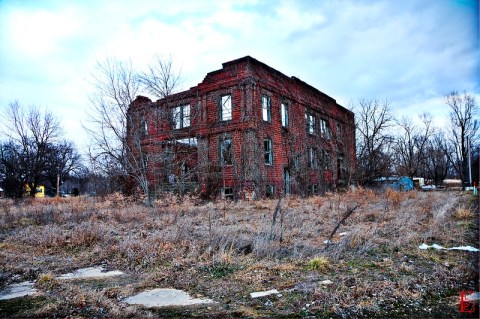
39, 191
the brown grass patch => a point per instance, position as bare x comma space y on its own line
226, 250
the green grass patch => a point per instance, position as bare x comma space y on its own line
318, 263
220, 270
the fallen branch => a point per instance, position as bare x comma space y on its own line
349, 212
274, 218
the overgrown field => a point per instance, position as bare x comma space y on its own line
225, 251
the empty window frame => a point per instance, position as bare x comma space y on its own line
310, 123
227, 193
339, 130
226, 151
143, 127
296, 161
341, 169
266, 108
324, 128
181, 116
268, 151
312, 157
226, 108
186, 116
270, 191
286, 180
284, 114
326, 160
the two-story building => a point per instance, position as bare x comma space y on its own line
245, 131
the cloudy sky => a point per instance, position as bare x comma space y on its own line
409, 52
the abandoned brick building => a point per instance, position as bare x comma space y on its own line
246, 131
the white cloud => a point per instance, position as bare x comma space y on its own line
39, 33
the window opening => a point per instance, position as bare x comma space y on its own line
226, 108
268, 152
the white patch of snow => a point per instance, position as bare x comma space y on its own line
164, 297
435, 246
263, 293
90, 272
18, 290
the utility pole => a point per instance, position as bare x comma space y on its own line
58, 181
469, 161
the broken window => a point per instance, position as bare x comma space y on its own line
312, 157
284, 114
326, 160
226, 108
296, 161
144, 127
339, 130
310, 122
266, 108
341, 169
324, 129
181, 116
226, 151
270, 191
286, 180
268, 151
227, 193
186, 116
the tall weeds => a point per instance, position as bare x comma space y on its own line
142, 236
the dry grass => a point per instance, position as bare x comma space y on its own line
227, 253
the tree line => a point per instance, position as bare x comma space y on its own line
388, 145
33, 151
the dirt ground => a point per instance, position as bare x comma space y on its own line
371, 268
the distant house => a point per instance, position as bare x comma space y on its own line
39, 191
246, 131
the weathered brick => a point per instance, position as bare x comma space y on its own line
246, 80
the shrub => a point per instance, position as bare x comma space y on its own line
47, 282
461, 213
318, 263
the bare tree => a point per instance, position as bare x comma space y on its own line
12, 178
63, 161
411, 143
32, 136
464, 126
115, 88
436, 159
373, 119
160, 79
117, 85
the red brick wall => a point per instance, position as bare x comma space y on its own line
246, 80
